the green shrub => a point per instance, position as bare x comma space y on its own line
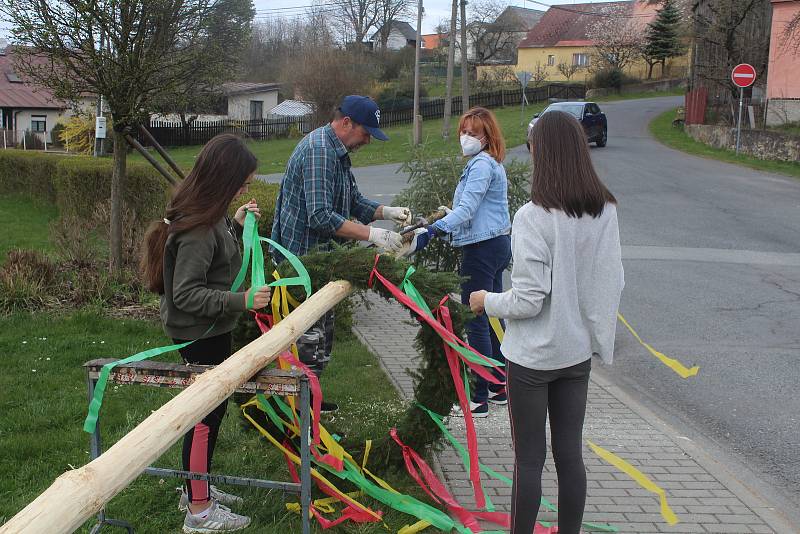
27, 281
28, 173
266, 195
610, 78
83, 183
432, 183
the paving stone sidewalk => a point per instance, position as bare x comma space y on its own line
704, 498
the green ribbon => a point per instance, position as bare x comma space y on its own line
270, 411
351, 472
258, 279
413, 293
253, 256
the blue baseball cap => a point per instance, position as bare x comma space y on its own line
364, 111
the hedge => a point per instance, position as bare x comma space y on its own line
77, 184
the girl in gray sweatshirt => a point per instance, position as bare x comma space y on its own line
566, 283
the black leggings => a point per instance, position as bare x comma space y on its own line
199, 442
531, 395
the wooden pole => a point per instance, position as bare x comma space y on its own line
464, 60
139, 148
78, 494
451, 54
417, 118
152, 140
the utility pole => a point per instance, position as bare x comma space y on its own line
417, 116
464, 60
451, 59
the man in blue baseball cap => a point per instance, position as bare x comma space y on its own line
319, 203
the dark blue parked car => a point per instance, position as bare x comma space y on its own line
588, 114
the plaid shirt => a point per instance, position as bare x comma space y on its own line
318, 193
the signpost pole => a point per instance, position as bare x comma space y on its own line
739, 121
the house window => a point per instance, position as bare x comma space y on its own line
581, 60
38, 123
256, 110
551, 60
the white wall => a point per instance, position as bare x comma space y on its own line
239, 105
396, 40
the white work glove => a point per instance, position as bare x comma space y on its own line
421, 238
386, 239
445, 209
397, 215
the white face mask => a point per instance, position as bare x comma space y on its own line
470, 145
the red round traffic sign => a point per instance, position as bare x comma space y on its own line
743, 75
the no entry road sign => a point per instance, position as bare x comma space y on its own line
743, 75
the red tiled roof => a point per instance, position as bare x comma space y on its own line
23, 94
569, 24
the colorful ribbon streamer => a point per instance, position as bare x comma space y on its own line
639, 477
672, 363
253, 255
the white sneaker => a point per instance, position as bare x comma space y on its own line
217, 494
219, 519
478, 409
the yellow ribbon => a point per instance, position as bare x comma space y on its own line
413, 529
672, 363
639, 477
323, 505
294, 458
497, 327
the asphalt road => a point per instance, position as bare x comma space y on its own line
712, 268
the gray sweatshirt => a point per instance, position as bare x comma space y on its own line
199, 267
566, 283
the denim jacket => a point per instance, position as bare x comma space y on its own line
480, 203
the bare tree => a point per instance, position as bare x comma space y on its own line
567, 70
791, 33
618, 39
390, 11
493, 38
358, 17
151, 48
539, 75
325, 75
726, 33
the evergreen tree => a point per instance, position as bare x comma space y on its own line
663, 37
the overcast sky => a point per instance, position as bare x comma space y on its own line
435, 10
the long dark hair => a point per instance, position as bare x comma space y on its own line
563, 174
200, 200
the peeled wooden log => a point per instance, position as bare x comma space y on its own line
79, 494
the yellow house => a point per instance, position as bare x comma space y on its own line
561, 46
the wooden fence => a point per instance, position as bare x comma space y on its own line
199, 132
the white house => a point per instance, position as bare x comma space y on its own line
250, 101
401, 35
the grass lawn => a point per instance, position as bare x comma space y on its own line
273, 155
43, 402
661, 127
24, 223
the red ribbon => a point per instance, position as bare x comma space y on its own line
432, 484
351, 512
443, 314
443, 332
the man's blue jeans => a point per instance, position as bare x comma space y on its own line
483, 264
